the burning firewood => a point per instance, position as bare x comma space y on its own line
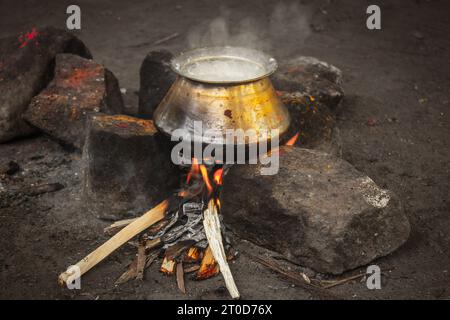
211, 223
192, 255
168, 266
149, 218
208, 266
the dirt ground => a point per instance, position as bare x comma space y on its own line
396, 79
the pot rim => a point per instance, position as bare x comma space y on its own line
268, 63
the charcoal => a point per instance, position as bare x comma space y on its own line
318, 211
312, 77
80, 87
26, 67
126, 166
156, 77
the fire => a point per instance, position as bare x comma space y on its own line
218, 176
192, 255
204, 173
194, 170
200, 169
292, 140
208, 267
168, 266
218, 203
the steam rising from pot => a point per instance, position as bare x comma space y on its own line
288, 24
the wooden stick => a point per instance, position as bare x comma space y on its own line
150, 244
342, 281
146, 220
211, 223
141, 259
180, 277
296, 278
192, 268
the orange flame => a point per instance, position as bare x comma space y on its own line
217, 177
292, 140
204, 173
194, 170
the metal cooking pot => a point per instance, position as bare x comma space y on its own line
224, 88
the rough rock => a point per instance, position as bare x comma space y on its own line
312, 77
80, 86
318, 211
26, 67
126, 166
314, 122
156, 77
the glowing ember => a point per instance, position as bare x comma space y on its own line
168, 266
192, 255
24, 39
292, 140
183, 193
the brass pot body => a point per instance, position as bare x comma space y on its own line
218, 107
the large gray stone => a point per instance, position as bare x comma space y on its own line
80, 86
318, 211
26, 67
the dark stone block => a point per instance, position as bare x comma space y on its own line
156, 77
80, 86
312, 77
26, 67
126, 166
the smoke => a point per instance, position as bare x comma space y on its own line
282, 33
